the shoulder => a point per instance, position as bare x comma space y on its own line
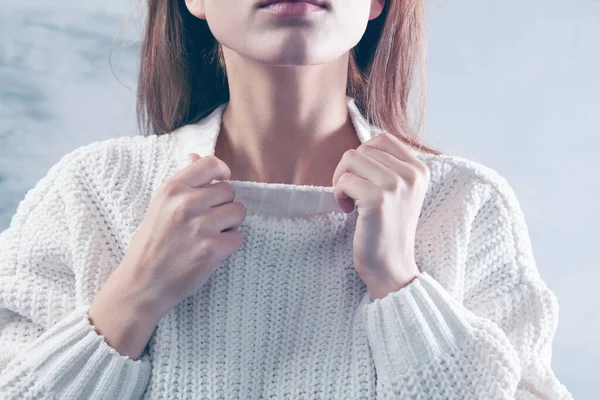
107, 151
93, 167
110, 174
113, 161
471, 177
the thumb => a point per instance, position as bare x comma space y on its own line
193, 157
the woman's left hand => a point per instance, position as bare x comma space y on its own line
387, 182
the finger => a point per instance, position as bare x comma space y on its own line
351, 188
361, 165
395, 147
397, 167
193, 157
198, 173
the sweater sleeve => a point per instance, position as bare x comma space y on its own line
48, 347
496, 344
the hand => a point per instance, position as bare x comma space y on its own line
187, 231
388, 184
184, 236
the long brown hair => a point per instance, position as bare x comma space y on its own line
182, 75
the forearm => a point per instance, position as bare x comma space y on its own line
124, 319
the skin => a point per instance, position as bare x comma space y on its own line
287, 119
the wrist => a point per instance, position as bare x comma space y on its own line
123, 327
382, 290
124, 289
126, 322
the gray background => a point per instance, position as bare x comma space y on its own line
513, 85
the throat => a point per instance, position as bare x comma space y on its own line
316, 172
316, 175
307, 179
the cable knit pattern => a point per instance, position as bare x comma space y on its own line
286, 316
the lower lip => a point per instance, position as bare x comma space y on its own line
292, 9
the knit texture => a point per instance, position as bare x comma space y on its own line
286, 316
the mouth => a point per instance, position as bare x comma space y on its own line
320, 3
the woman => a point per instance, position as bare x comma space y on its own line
355, 262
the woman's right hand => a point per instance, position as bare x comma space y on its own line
188, 230
183, 237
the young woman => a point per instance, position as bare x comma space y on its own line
278, 231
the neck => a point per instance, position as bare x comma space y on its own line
282, 126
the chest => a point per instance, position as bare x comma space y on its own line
277, 319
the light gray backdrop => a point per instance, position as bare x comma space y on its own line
513, 85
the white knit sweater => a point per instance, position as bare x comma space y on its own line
286, 316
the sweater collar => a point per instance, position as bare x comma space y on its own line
277, 199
